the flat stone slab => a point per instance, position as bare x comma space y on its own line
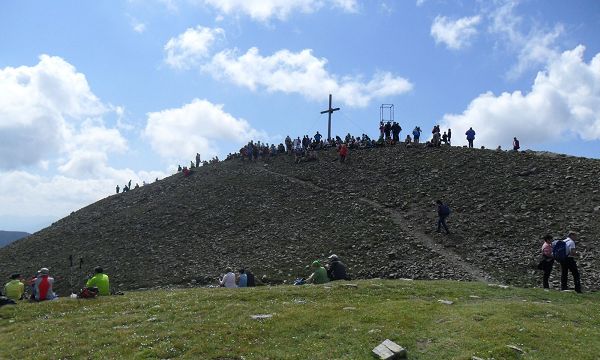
261, 316
446, 302
389, 350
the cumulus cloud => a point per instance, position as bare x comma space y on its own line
177, 134
263, 10
301, 73
563, 101
39, 106
455, 34
533, 48
188, 48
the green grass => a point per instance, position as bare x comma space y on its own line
309, 322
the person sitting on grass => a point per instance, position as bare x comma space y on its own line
319, 276
336, 269
99, 280
228, 279
14, 289
242, 278
43, 286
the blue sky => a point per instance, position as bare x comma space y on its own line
93, 94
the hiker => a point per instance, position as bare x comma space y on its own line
186, 171
336, 269
516, 145
387, 130
407, 140
118, 188
318, 137
443, 211
129, 185
14, 289
125, 189
99, 280
251, 282
470, 136
242, 278
228, 279
179, 169
43, 286
416, 134
343, 152
445, 138
436, 139
449, 136
547, 260
567, 262
319, 276
137, 186
396, 132
197, 159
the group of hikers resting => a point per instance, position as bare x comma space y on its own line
40, 287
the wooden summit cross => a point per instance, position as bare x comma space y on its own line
330, 111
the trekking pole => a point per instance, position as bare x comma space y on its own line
71, 273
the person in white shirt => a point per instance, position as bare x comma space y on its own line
569, 264
228, 280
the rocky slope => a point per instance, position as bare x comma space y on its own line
375, 212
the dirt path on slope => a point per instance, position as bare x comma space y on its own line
398, 219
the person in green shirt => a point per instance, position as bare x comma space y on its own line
14, 289
100, 281
319, 276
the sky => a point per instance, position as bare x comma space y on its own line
95, 93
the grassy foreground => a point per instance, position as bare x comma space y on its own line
309, 322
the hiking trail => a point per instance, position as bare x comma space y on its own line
427, 241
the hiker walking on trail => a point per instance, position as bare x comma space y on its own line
443, 211
564, 251
547, 260
470, 136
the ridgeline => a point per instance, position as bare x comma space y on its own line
375, 211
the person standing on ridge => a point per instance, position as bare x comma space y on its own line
416, 134
516, 145
449, 136
197, 159
470, 136
443, 211
118, 189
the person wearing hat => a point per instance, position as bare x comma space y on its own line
336, 269
99, 280
319, 276
43, 286
14, 289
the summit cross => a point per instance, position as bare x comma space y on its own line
330, 111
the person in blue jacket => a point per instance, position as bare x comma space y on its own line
470, 136
416, 134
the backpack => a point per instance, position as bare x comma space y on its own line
559, 250
87, 293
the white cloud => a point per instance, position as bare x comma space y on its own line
263, 10
455, 34
188, 48
178, 134
301, 73
534, 48
420, 2
139, 27
564, 100
39, 107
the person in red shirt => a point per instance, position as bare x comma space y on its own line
343, 152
